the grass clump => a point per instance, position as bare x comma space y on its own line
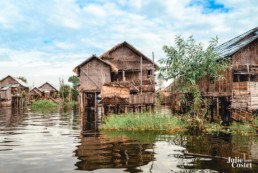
215, 129
147, 121
43, 105
244, 128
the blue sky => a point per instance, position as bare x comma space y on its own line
45, 40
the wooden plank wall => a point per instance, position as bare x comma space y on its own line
221, 87
145, 98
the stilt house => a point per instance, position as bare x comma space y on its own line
119, 79
237, 93
48, 90
35, 94
10, 87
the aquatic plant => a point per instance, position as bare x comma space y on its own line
147, 121
43, 105
215, 128
244, 128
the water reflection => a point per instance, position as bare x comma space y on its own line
99, 151
65, 141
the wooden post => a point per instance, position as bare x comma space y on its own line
123, 72
141, 74
95, 103
153, 66
217, 106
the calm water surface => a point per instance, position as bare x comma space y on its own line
67, 142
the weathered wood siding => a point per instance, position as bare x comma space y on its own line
47, 87
246, 56
221, 87
125, 59
115, 91
245, 95
145, 98
5, 94
8, 81
93, 75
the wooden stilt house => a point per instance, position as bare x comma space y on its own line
12, 88
237, 93
120, 76
35, 94
48, 90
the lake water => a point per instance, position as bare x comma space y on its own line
67, 142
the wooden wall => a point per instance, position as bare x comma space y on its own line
219, 88
125, 59
93, 75
8, 81
47, 87
247, 55
5, 94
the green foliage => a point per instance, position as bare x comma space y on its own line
244, 128
74, 80
143, 122
23, 93
43, 105
215, 128
64, 92
55, 95
187, 63
22, 79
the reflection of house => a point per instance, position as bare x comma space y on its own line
9, 87
121, 68
97, 152
48, 90
35, 94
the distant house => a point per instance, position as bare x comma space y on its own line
35, 94
121, 68
11, 86
48, 90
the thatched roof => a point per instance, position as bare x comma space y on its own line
20, 82
129, 46
112, 66
230, 47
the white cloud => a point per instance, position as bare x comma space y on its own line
77, 32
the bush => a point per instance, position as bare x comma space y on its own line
143, 122
43, 105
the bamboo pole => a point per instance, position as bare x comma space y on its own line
141, 74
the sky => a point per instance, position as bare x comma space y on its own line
44, 40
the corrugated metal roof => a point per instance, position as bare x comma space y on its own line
21, 82
232, 46
5, 88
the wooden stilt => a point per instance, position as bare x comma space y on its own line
217, 107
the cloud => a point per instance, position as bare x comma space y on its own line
44, 40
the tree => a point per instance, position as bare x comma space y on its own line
22, 79
187, 62
64, 92
75, 81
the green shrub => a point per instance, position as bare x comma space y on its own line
143, 122
43, 105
